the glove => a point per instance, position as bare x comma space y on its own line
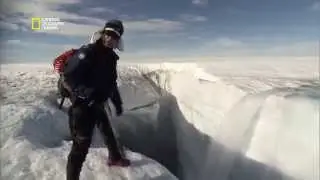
62, 90
83, 96
119, 110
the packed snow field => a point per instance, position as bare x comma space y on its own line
222, 120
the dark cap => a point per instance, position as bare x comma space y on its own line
114, 25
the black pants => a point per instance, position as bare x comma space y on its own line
82, 121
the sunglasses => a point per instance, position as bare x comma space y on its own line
111, 34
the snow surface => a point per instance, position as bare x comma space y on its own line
222, 120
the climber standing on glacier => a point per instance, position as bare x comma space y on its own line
90, 76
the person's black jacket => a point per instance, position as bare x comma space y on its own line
93, 68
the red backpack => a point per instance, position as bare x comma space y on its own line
60, 61
58, 66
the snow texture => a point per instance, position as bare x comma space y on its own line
222, 120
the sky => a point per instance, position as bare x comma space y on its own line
164, 28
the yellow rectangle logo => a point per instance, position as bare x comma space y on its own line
36, 23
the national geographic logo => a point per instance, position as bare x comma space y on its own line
38, 23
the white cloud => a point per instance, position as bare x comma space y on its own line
231, 47
235, 11
154, 25
194, 37
295, 49
125, 17
9, 26
200, 2
224, 42
29, 6
45, 9
37, 8
132, 17
13, 41
100, 10
61, 1
43, 45
193, 18
316, 6
149, 25
18, 50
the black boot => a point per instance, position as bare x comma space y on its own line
73, 167
75, 160
122, 161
